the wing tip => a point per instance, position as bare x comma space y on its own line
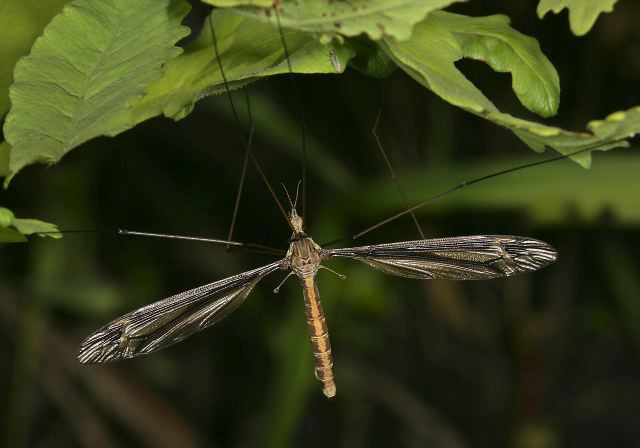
84, 358
90, 354
531, 254
98, 349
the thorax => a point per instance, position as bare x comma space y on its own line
304, 257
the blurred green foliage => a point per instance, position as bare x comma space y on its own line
543, 360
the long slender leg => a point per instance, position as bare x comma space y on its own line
303, 122
244, 165
467, 183
270, 188
376, 137
246, 144
237, 245
460, 186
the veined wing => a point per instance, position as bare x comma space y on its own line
170, 320
457, 258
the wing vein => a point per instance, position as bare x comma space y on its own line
456, 258
170, 320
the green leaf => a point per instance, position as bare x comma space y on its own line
41, 228
21, 21
601, 135
582, 13
232, 3
376, 18
22, 227
6, 217
249, 50
618, 125
8, 235
370, 59
444, 38
94, 61
5, 153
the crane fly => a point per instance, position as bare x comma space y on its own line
173, 319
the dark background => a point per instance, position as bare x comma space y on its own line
547, 359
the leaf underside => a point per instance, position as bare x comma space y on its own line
582, 13
444, 38
6, 217
233, 3
8, 235
94, 61
15, 230
333, 20
35, 226
5, 152
249, 50
73, 88
21, 22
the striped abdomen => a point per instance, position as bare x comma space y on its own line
319, 336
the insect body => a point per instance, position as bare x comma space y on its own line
304, 258
171, 320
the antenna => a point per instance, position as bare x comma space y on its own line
288, 197
297, 191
